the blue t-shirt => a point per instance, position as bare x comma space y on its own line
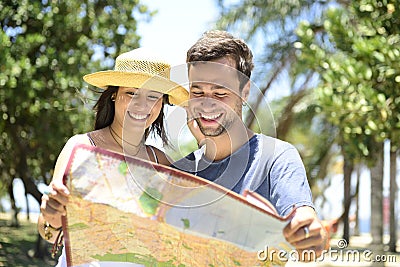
269, 166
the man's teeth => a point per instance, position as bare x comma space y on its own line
138, 116
210, 117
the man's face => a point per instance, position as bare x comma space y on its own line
215, 98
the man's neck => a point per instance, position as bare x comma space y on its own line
224, 145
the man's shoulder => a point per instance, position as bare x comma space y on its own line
184, 163
278, 150
274, 142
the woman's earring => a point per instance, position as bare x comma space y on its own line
113, 96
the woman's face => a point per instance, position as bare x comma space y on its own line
137, 107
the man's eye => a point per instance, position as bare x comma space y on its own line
220, 95
197, 93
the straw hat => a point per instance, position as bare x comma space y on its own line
140, 68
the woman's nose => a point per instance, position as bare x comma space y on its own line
139, 101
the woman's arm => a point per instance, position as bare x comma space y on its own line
55, 198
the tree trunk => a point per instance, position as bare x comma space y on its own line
31, 188
14, 209
27, 207
41, 250
377, 203
393, 199
347, 171
286, 118
357, 224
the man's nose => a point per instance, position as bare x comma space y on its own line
208, 102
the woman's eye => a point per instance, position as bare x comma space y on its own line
153, 97
132, 93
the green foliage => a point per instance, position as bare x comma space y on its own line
46, 48
269, 25
357, 58
279, 15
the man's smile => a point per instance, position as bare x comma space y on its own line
210, 117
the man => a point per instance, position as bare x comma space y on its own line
219, 69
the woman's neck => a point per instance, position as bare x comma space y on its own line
132, 145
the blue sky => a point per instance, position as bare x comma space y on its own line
176, 26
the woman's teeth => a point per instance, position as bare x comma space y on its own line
138, 116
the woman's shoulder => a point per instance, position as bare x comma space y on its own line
162, 158
63, 157
73, 141
83, 138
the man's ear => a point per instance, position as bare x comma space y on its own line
245, 91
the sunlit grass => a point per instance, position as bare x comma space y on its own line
17, 245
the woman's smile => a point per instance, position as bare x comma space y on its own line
136, 116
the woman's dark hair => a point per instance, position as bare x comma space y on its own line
105, 108
157, 127
105, 111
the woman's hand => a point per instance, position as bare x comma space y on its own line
53, 203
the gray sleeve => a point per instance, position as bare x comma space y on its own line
288, 181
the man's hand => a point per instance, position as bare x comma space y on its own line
307, 234
195, 130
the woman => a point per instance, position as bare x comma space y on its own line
129, 109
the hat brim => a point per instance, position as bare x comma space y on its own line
177, 94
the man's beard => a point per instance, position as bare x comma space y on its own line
225, 124
211, 131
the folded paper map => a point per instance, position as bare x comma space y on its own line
131, 212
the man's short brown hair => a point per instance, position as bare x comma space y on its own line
217, 44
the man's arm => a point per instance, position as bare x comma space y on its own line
289, 187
